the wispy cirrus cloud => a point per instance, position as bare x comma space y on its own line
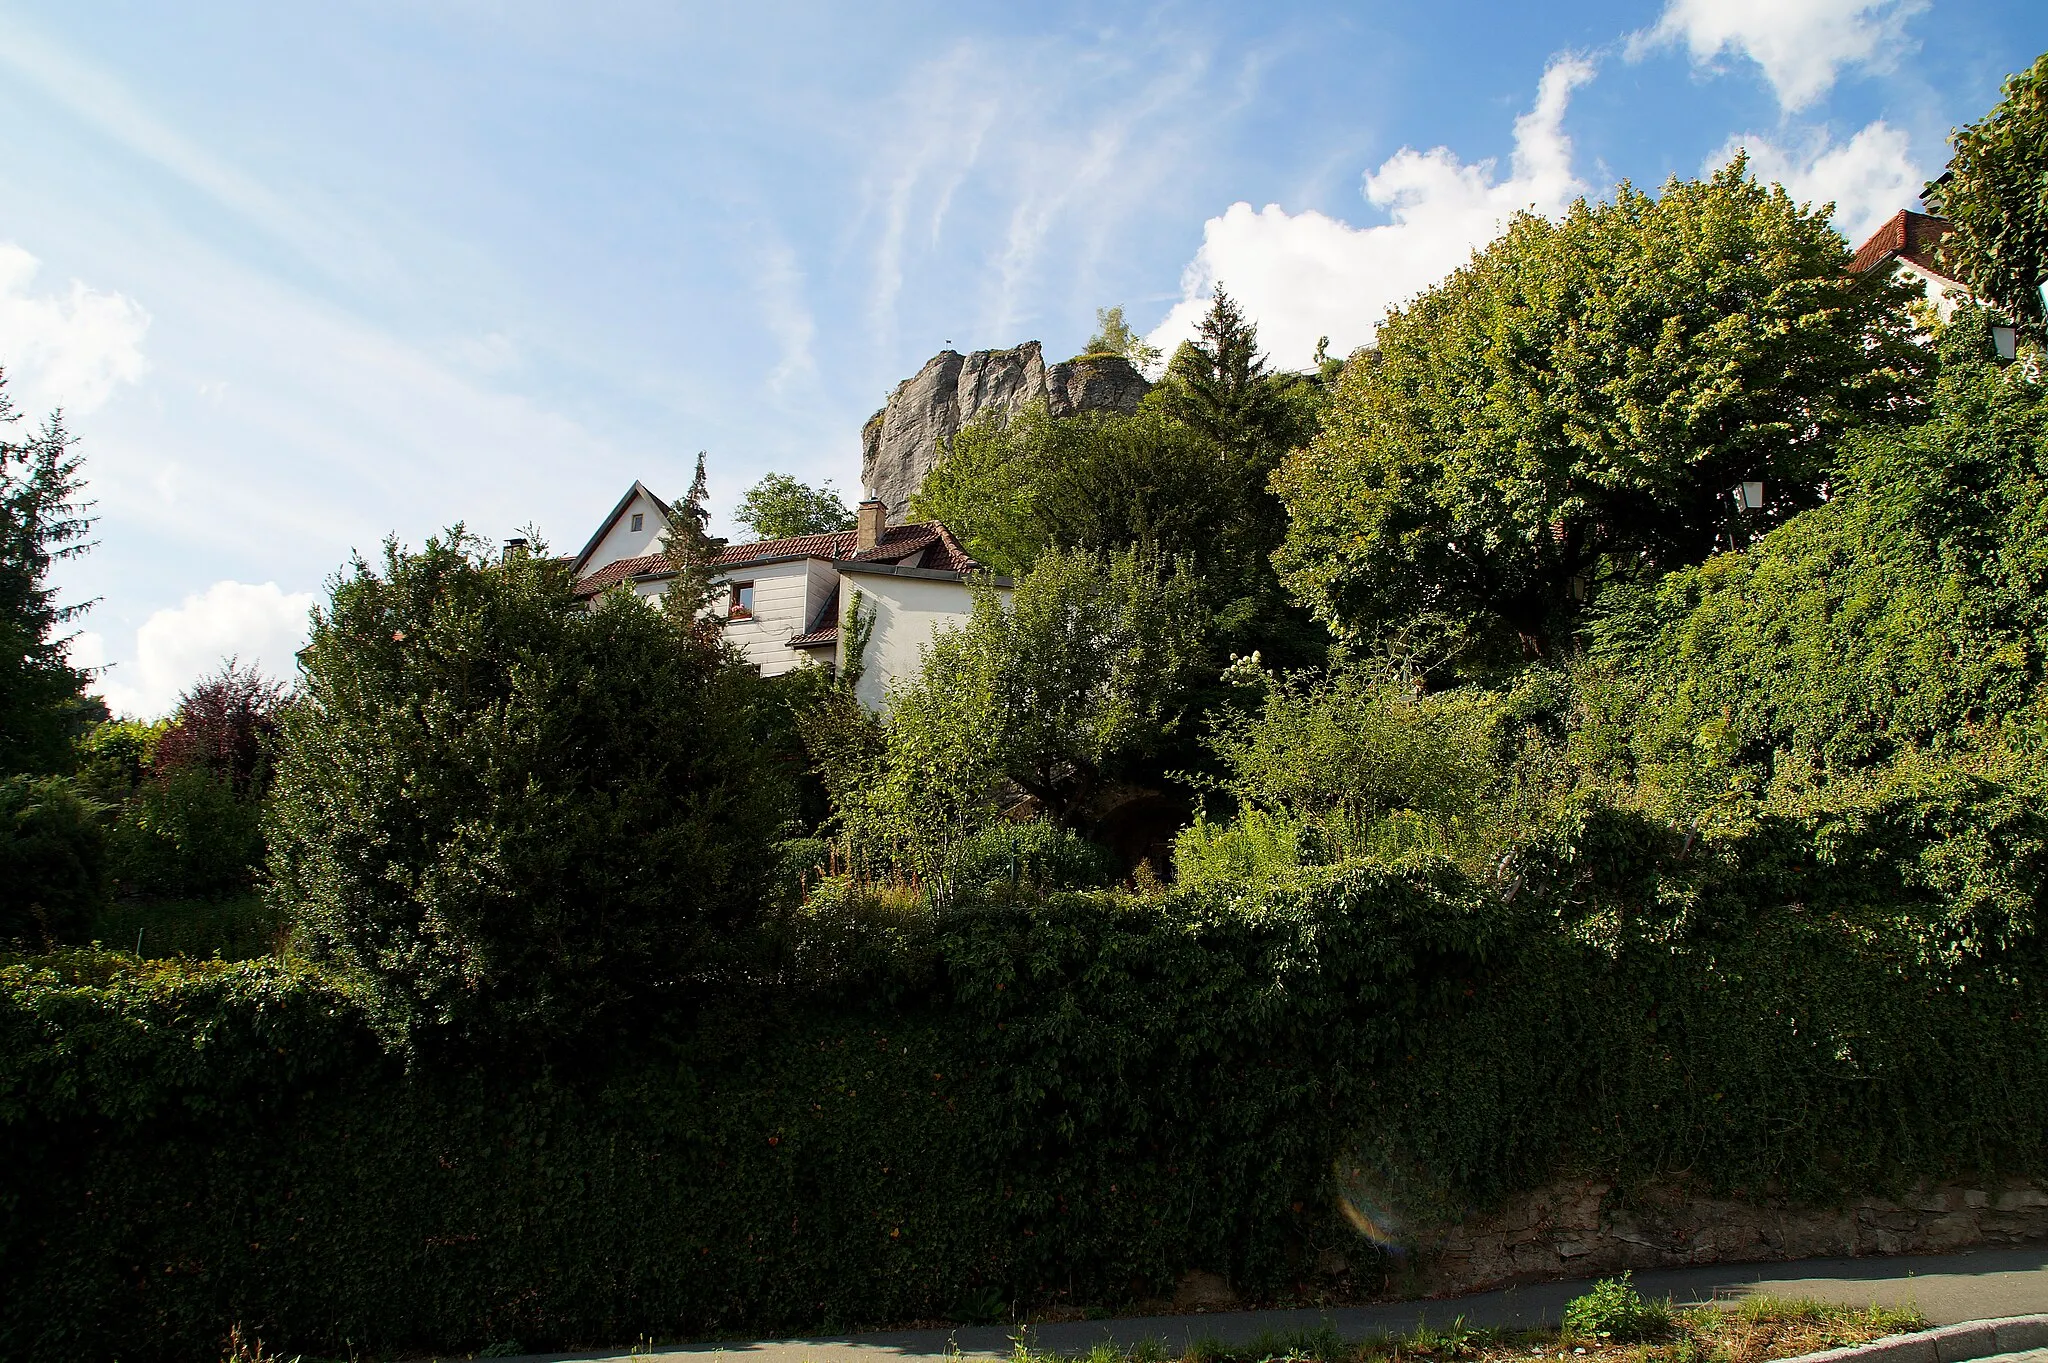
1027, 156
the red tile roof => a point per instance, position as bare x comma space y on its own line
1908, 236
928, 545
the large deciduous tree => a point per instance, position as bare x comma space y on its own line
508, 814
1576, 404
43, 519
1996, 195
779, 507
1073, 683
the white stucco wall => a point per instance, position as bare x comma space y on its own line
1944, 294
908, 611
622, 541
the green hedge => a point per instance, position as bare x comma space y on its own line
1076, 1101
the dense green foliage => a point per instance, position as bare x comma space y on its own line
52, 861
1574, 405
1615, 1310
1996, 195
1185, 477
1070, 1100
43, 519
1065, 688
1032, 856
1738, 882
1013, 488
502, 811
780, 507
1909, 611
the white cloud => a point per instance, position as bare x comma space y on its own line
259, 624
1800, 44
1868, 178
67, 349
1304, 275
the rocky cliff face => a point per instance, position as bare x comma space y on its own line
900, 443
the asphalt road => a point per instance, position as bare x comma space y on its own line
1947, 1288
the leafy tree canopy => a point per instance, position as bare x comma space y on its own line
1576, 403
1113, 336
43, 518
1910, 611
1069, 685
780, 507
509, 814
1996, 195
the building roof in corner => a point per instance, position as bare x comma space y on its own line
1908, 236
639, 489
927, 545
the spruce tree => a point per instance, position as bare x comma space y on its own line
1223, 387
692, 551
43, 518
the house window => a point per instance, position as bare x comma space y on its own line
742, 607
639, 519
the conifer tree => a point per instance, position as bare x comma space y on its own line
692, 551
1223, 387
43, 519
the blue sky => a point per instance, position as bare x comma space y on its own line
302, 280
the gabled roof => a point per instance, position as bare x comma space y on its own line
638, 490
1908, 236
928, 545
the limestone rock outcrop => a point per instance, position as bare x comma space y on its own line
901, 443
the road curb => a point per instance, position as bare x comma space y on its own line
1949, 1344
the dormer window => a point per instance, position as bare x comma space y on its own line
742, 604
639, 519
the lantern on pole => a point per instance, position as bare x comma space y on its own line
1748, 494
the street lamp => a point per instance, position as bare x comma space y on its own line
1748, 495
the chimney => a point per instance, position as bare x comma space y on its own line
868, 523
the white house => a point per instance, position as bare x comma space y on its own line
785, 598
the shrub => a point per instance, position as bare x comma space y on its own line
1257, 849
187, 832
1615, 1310
509, 814
1361, 743
1035, 854
52, 861
116, 757
226, 723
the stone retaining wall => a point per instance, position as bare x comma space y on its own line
1587, 1227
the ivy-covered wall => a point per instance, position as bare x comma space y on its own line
1077, 1099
